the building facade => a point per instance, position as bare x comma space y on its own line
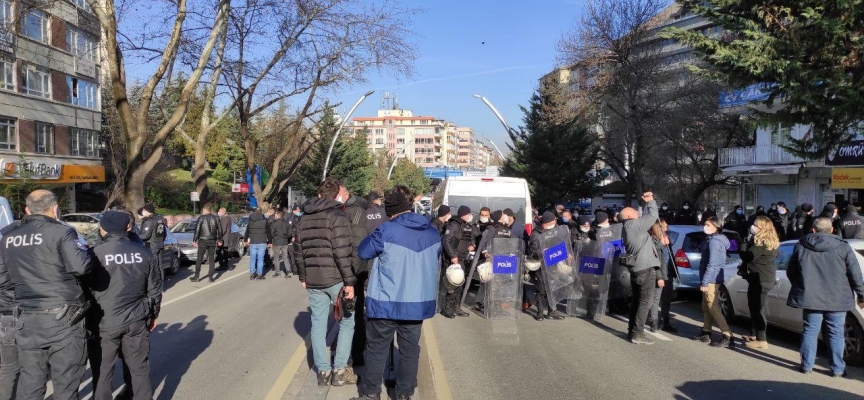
50, 105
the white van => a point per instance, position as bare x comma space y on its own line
497, 193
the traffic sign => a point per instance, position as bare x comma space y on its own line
195, 196
244, 188
235, 188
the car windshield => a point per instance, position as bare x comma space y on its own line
243, 221
184, 227
673, 236
784, 257
517, 204
693, 240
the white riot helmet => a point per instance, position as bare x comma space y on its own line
455, 276
484, 271
564, 268
532, 265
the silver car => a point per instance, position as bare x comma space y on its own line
184, 231
685, 241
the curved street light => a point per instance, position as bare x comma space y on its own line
494, 110
395, 160
496, 148
336, 136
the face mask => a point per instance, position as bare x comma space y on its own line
781, 210
584, 230
470, 219
565, 219
754, 230
708, 230
484, 220
603, 225
686, 207
665, 208
340, 199
739, 212
298, 213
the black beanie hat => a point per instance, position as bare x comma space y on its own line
583, 220
601, 217
443, 210
508, 212
395, 202
114, 222
806, 207
496, 215
463, 211
149, 207
548, 217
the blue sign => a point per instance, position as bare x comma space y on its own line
505, 264
555, 254
613, 249
591, 265
755, 93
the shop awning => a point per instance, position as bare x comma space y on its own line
762, 169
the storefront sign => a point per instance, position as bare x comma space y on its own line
82, 174
848, 154
30, 169
847, 178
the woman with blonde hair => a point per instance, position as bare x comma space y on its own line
759, 269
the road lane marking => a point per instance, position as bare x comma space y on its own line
210, 286
286, 377
657, 335
439, 375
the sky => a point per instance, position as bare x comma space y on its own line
454, 63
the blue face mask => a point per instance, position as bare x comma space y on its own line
739, 212
565, 219
298, 213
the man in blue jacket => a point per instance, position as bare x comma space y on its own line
403, 288
826, 280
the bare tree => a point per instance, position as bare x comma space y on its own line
309, 46
143, 148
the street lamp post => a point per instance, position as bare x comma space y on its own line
395, 160
336, 136
496, 148
494, 110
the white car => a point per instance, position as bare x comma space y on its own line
84, 223
733, 302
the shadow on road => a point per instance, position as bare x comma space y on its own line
763, 390
182, 344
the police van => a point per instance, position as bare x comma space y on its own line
476, 192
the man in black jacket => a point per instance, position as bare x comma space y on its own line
44, 260
686, 215
459, 242
375, 215
852, 224
154, 229
826, 279
280, 244
127, 286
208, 235
440, 221
325, 269
257, 238
356, 209
225, 225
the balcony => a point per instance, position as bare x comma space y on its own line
757, 155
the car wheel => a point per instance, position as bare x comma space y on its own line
725, 302
853, 352
241, 249
174, 268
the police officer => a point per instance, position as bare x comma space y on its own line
374, 212
499, 228
459, 243
440, 221
535, 252
666, 213
852, 224
127, 286
9, 366
44, 260
154, 229
686, 215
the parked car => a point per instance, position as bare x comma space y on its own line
170, 254
685, 241
733, 302
184, 231
84, 223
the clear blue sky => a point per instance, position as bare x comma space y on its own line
453, 64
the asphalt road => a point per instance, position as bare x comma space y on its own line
236, 339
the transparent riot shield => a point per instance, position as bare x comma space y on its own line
558, 265
597, 260
503, 297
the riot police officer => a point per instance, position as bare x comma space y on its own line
127, 287
153, 230
459, 243
499, 228
535, 252
44, 260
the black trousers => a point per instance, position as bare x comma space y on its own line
379, 335
643, 284
359, 343
134, 340
94, 357
210, 249
222, 256
757, 291
666, 302
9, 365
50, 347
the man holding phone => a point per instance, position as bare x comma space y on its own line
644, 264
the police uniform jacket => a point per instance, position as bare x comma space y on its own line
493, 231
153, 231
458, 236
852, 226
44, 259
375, 216
125, 281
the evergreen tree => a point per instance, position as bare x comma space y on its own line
350, 162
556, 158
807, 53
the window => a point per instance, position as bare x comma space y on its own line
82, 4
82, 93
400, 131
391, 136
379, 131
8, 134
35, 25
37, 82
400, 141
83, 143
7, 74
44, 138
390, 124
5, 13
379, 141
81, 44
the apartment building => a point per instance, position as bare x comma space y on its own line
50, 106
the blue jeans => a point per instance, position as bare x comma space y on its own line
256, 258
321, 302
834, 321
